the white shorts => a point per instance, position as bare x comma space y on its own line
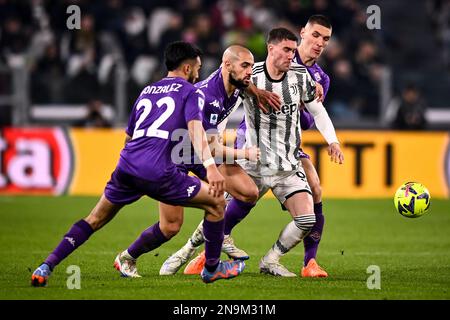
284, 184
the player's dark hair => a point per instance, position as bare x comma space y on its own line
321, 20
179, 51
277, 35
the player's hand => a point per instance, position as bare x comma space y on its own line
253, 154
267, 99
334, 151
319, 93
216, 181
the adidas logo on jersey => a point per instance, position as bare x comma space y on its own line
190, 190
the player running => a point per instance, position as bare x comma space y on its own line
145, 167
314, 38
236, 210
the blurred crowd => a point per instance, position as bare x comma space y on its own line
78, 66
439, 17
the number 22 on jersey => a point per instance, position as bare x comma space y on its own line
153, 130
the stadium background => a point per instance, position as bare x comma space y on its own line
65, 96
89, 78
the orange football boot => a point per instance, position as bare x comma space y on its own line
313, 270
195, 266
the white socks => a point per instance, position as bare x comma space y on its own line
291, 235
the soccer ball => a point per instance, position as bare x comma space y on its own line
412, 199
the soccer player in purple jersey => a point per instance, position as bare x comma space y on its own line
314, 38
221, 89
145, 167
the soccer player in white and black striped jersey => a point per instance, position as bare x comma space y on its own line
278, 135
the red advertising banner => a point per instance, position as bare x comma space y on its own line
35, 161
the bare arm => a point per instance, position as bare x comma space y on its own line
219, 149
201, 147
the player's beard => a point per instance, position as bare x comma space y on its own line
192, 79
237, 83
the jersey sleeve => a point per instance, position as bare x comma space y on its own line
325, 84
306, 119
211, 114
309, 88
194, 105
131, 122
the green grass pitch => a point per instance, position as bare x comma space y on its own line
413, 254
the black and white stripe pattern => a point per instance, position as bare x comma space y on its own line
277, 134
305, 222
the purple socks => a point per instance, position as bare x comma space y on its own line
311, 241
236, 211
149, 240
213, 234
77, 235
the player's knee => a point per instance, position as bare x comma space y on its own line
217, 209
250, 195
305, 222
94, 221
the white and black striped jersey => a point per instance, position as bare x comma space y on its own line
277, 133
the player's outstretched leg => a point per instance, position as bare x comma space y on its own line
103, 212
290, 236
311, 242
149, 240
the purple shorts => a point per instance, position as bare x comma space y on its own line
301, 154
198, 169
177, 188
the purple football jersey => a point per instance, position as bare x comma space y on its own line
216, 108
316, 73
161, 109
217, 103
